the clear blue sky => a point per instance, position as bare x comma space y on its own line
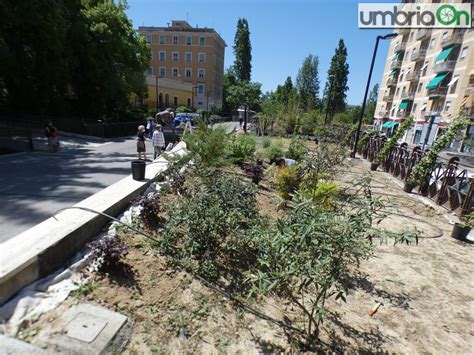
283, 32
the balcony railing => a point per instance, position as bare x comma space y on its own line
410, 95
396, 64
468, 112
428, 114
400, 47
402, 114
392, 81
446, 66
454, 39
383, 114
422, 33
413, 76
439, 91
388, 97
418, 55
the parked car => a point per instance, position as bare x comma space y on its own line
185, 117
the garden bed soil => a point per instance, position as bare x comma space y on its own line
425, 290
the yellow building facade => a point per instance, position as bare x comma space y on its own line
168, 93
190, 55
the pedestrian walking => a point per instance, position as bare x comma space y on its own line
148, 130
52, 135
158, 141
141, 142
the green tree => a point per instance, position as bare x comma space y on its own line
246, 94
283, 93
230, 79
307, 83
371, 105
242, 51
337, 81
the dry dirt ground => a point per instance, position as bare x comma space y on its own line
426, 291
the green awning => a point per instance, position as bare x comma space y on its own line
389, 124
392, 73
444, 54
403, 105
395, 57
433, 84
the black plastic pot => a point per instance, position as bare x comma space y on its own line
408, 187
374, 166
138, 170
460, 232
424, 190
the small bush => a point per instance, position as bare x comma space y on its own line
287, 182
241, 148
324, 193
274, 151
150, 209
109, 252
266, 142
255, 172
297, 148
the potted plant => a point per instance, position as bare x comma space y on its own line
390, 144
421, 172
461, 230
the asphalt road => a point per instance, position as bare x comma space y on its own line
35, 185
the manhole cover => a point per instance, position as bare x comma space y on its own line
85, 327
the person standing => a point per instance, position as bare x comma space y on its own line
53, 137
141, 142
158, 141
152, 128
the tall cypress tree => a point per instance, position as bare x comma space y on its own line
242, 51
337, 81
307, 83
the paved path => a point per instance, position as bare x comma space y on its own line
34, 185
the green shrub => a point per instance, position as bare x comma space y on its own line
203, 226
274, 151
266, 142
241, 147
207, 146
325, 193
297, 148
287, 181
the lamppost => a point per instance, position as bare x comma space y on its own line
428, 131
329, 97
388, 36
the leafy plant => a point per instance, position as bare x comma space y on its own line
274, 151
468, 220
390, 144
421, 171
109, 252
266, 142
287, 181
150, 210
324, 193
206, 145
297, 148
241, 147
204, 224
85, 288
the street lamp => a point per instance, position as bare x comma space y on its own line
329, 97
428, 131
388, 36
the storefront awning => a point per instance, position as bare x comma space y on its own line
389, 124
403, 105
444, 54
433, 84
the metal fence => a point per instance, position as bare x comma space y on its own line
448, 185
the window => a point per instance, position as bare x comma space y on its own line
397, 92
162, 39
453, 84
448, 106
411, 36
202, 57
162, 71
424, 67
148, 39
189, 57
189, 102
162, 55
200, 88
151, 53
175, 72
432, 42
202, 41
187, 72
175, 101
414, 107
175, 56
463, 53
189, 40
445, 34
150, 71
201, 73
401, 77
420, 85
175, 39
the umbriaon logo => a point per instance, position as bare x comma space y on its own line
410, 15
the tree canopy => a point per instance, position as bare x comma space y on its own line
242, 51
307, 83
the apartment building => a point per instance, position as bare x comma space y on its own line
429, 75
190, 55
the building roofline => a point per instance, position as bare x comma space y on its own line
183, 29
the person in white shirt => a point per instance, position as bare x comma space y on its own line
158, 140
